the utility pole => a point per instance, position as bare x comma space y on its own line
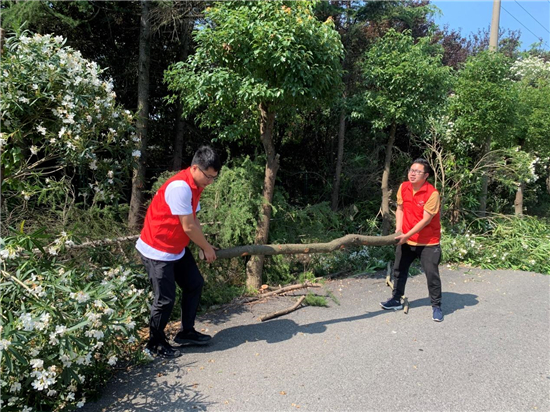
493, 40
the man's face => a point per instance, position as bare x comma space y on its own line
203, 177
417, 173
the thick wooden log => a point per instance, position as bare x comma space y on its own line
306, 248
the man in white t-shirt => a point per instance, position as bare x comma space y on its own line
170, 224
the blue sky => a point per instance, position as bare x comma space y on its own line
531, 17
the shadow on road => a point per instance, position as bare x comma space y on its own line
450, 302
272, 331
279, 330
147, 393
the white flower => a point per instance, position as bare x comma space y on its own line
60, 330
34, 150
93, 333
81, 403
80, 296
26, 195
112, 360
41, 129
4, 343
43, 380
136, 153
27, 322
53, 339
52, 251
15, 387
70, 396
37, 363
93, 165
27, 409
66, 360
52, 392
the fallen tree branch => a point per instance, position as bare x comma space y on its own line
284, 311
304, 248
285, 289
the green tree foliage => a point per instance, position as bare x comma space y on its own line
405, 83
483, 112
256, 52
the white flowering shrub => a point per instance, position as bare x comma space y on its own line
502, 242
63, 326
61, 130
68, 317
531, 69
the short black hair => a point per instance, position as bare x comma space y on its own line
424, 162
206, 157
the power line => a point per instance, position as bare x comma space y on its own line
519, 4
539, 38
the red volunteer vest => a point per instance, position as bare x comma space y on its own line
162, 230
413, 211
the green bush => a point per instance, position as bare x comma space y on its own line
501, 242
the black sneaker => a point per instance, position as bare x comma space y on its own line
163, 350
392, 304
191, 337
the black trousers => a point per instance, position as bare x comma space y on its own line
164, 275
429, 256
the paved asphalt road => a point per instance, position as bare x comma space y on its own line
491, 353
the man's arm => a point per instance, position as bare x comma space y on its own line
399, 219
426, 218
192, 228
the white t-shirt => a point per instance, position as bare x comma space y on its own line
178, 197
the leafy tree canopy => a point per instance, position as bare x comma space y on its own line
275, 53
405, 80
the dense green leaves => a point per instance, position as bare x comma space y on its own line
275, 53
405, 81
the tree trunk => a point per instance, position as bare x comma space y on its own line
177, 160
255, 265
135, 218
518, 202
484, 182
455, 215
339, 160
386, 192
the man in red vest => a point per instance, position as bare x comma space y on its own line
170, 224
418, 218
